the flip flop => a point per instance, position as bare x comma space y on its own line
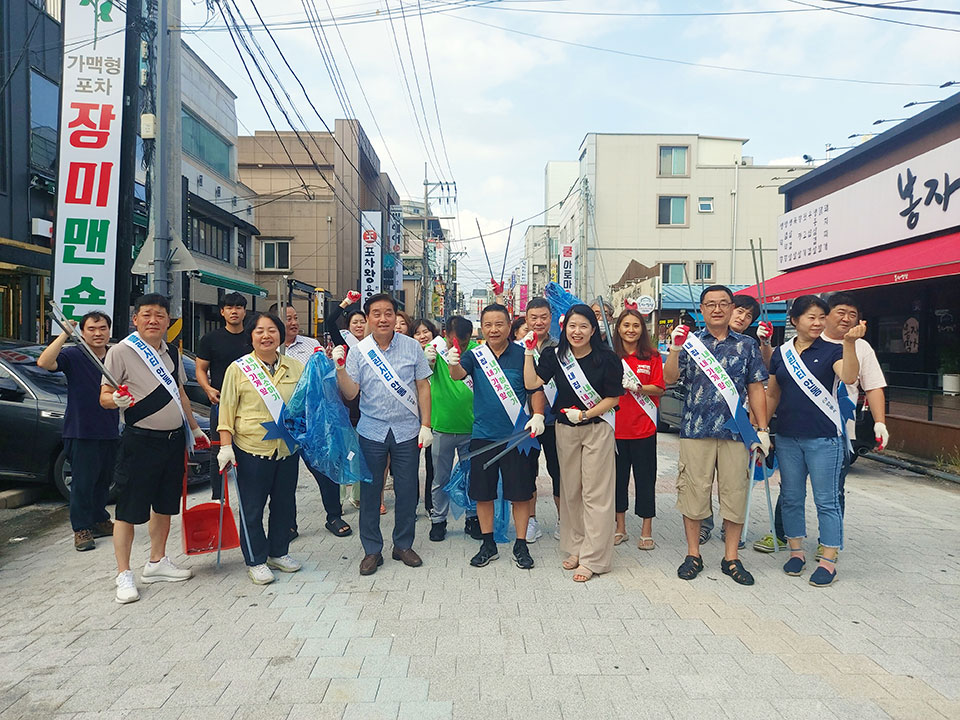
646, 543
582, 572
571, 563
619, 538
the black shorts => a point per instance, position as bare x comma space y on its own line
518, 481
149, 473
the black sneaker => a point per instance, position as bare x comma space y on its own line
521, 555
471, 527
487, 554
438, 531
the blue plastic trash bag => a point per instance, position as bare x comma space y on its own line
560, 301
501, 516
758, 469
319, 422
456, 490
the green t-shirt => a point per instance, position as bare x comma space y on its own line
451, 401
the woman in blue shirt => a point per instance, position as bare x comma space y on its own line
804, 375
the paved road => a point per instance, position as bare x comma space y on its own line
450, 641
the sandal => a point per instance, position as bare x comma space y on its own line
338, 527
646, 543
571, 563
691, 567
583, 573
383, 509
735, 569
619, 538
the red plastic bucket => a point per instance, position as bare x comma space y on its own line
201, 523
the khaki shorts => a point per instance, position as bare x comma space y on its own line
700, 460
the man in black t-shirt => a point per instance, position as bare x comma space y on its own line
217, 350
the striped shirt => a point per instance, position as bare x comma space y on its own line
302, 348
380, 409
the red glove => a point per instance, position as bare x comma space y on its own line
530, 341
353, 296
630, 304
679, 335
124, 390
562, 318
497, 287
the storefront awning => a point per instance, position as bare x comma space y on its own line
209, 278
674, 296
933, 258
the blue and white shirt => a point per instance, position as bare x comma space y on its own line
704, 409
380, 409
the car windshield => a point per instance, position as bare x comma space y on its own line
23, 361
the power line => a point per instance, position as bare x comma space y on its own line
884, 6
433, 91
841, 11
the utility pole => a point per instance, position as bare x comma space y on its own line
448, 193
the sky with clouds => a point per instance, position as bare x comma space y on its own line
509, 101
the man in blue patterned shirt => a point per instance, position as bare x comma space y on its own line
708, 446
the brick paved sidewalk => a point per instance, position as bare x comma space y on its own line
450, 641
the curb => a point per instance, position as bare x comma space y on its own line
18, 497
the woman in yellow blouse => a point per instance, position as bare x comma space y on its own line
255, 388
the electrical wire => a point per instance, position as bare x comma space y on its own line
841, 11
884, 6
433, 91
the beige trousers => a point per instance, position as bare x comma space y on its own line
587, 455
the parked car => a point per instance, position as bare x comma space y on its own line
32, 408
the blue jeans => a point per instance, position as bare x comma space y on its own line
91, 469
445, 445
822, 459
405, 467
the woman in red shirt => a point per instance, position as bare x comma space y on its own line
636, 432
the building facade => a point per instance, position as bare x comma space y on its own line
690, 203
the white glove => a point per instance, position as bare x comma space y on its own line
765, 332
453, 356
535, 425
679, 336
529, 343
764, 445
574, 415
339, 356
629, 382
425, 439
881, 434
123, 401
201, 441
431, 354
226, 458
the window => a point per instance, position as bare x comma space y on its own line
705, 271
672, 210
673, 160
673, 273
210, 238
276, 255
44, 122
705, 204
242, 246
200, 141
50, 7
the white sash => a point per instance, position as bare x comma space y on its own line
440, 345
644, 401
811, 386
712, 368
582, 387
549, 388
388, 376
349, 338
258, 377
498, 381
156, 366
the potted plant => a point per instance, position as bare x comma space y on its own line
950, 367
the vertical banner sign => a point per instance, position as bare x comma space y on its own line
395, 232
523, 286
88, 182
370, 249
567, 259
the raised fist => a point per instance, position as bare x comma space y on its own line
629, 304
453, 354
529, 343
339, 356
679, 335
353, 296
430, 352
765, 332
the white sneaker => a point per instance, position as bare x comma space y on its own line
127, 588
533, 530
283, 564
556, 533
164, 571
260, 574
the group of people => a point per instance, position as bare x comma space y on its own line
585, 401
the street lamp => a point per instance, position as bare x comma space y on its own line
880, 122
921, 102
863, 135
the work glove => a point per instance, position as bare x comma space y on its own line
425, 438
339, 356
535, 425
453, 355
629, 304
430, 352
529, 343
764, 443
226, 458
351, 298
765, 332
679, 336
629, 382
574, 415
200, 439
122, 398
881, 434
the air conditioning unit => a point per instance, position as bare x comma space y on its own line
41, 227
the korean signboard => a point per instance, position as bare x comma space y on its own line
88, 182
395, 233
370, 254
910, 200
522, 305
567, 262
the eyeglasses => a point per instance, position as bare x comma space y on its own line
723, 305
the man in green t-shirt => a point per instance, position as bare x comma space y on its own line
451, 415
